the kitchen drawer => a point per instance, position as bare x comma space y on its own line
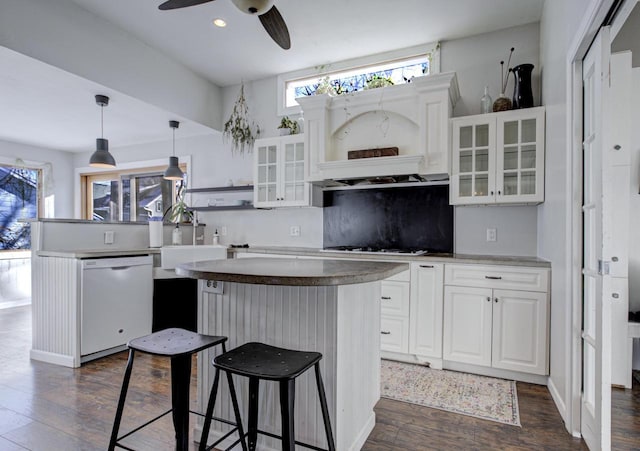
394, 298
503, 277
394, 334
404, 276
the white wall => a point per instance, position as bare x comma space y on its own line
560, 20
476, 60
634, 197
62, 168
213, 164
60, 33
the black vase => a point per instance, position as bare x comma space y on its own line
522, 95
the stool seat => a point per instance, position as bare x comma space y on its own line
174, 342
266, 362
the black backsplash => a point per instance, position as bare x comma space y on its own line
403, 218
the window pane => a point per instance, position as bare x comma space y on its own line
466, 161
18, 199
482, 135
482, 185
153, 196
511, 158
105, 200
511, 132
482, 160
528, 156
464, 187
529, 131
466, 136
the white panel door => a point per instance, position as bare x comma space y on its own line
519, 331
467, 325
426, 310
596, 311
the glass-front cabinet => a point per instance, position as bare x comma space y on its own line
498, 158
280, 168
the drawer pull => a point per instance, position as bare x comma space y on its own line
385, 332
615, 295
493, 277
386, 298
426, 266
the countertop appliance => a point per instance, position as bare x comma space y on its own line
116, 303
374, 250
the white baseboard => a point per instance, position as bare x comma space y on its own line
496, 372
56, 359
561, 406
362, 436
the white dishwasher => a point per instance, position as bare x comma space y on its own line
116, 305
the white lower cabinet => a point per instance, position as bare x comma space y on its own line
500, 328
425, 324
394, 322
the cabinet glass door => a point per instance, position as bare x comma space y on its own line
267, 173
519, 165
474, 144
294, 172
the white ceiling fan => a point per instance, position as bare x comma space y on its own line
268, 14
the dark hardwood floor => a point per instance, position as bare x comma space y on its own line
47, 407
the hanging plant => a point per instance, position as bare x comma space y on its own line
238, 129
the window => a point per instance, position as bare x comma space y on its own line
133, 195
350, 76
19, 199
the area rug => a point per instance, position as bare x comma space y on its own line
467, 394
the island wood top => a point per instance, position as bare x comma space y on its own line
291, 271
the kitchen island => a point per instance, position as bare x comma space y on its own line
327, 306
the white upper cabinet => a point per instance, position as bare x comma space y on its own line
498, 158
280, 165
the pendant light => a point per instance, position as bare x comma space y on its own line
173, 172
101, 158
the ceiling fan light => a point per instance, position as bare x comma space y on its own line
253, 6
173, 172
101, 158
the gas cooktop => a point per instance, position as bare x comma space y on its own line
374, 250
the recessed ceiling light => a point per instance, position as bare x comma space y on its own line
219, 23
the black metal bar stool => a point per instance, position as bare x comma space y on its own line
260, 361
179, 345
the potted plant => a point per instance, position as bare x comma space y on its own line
179, 210
288, 127
378, 81
238, 129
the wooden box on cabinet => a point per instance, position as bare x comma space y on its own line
498, 158
497, 316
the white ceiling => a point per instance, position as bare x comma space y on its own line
322, 31
48, 107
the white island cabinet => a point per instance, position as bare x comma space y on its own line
327, 306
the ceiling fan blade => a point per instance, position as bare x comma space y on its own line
273, 22
175, 4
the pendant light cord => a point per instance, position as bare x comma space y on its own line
102, 121
174, 142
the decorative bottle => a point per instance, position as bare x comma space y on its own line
522, 95
176, 236
486, 103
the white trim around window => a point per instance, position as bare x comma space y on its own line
432, 49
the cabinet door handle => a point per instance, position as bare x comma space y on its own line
495, 300
493, 277
615, 295
499, 193
491, 192
488, 299
385, 332
426, 266
386, 298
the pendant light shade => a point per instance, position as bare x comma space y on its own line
101, 158
173, 172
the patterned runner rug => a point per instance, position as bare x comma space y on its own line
467, 394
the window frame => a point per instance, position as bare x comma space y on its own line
134, 167
430, 49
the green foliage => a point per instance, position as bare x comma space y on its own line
238, 130
179, 210
290, 124
378, 81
